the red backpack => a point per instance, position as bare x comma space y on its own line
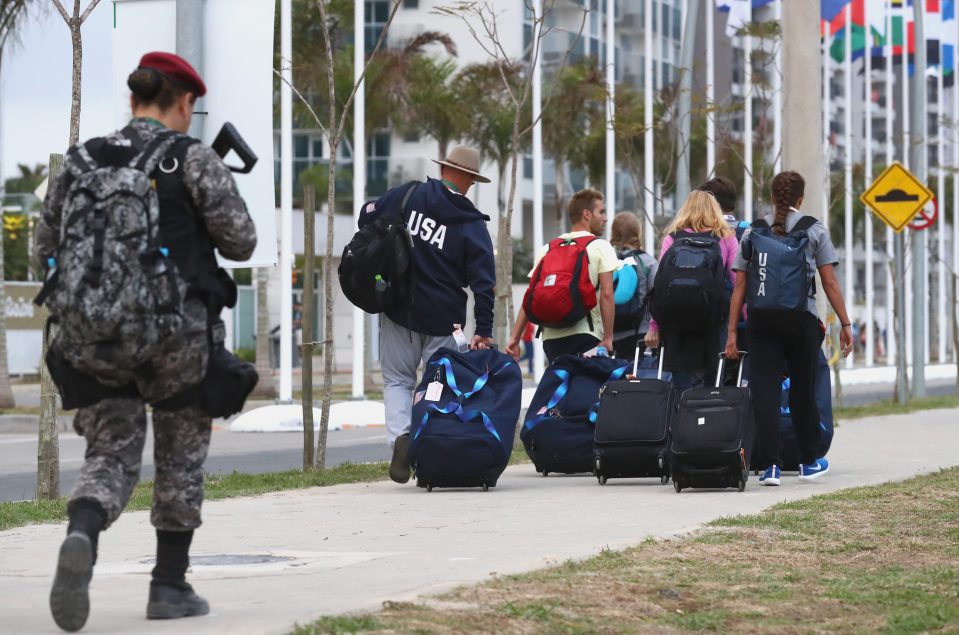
560, 293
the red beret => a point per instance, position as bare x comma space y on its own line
175, 68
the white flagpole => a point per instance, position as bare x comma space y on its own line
610, 113
710, 89
359, 177
906, 143
955, 176
777, 87
849, 261
537, 106
748, 117
826, 103
648, 185
891, 335
870, 283
286, 203
942, 328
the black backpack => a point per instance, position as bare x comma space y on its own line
689, 292
376, 270
631, 291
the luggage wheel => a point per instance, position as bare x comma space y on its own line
677, 486
664, 479
429, 487
545, 473
485, 487
742, 484
602, 479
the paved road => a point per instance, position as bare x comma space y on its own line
252, 453
269, 561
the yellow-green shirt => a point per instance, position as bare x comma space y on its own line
602, 259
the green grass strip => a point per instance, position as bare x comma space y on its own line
889, 407
20, 513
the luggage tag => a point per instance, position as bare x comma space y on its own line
435, 389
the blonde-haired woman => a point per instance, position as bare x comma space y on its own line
691, 355
632, 321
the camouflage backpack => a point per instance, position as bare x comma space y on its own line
111, 288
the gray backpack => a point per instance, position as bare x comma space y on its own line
111, 288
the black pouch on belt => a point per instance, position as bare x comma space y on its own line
228, 381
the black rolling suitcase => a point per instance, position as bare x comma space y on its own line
712, 436
632, 427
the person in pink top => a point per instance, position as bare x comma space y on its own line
691, 356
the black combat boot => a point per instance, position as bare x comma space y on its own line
69, 598
399, 465
170, 594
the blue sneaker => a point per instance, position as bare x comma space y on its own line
812, 471
770, 476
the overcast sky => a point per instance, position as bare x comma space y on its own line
35, 87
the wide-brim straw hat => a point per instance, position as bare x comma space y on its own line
465, 160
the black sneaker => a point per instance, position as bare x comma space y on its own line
399, 466
69, 598
174, 600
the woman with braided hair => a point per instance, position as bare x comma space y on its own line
784, 330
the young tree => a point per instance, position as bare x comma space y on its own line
74, 23
482, 20
266, 387
577, 107
337, 116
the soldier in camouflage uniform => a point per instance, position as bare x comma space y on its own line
164, 89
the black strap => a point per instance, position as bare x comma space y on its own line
804, 223
411, 187
99, 225
760, 223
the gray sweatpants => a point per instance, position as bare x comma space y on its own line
401, 353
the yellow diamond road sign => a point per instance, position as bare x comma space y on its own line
896, 196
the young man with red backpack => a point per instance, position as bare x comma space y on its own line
570, 295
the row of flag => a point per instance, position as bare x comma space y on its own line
939, 25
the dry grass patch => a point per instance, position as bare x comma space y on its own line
879, 559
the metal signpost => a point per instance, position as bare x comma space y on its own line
896, 196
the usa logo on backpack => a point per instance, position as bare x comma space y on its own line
779, 274
561, 293
111, 288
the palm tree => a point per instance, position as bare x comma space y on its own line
575, 106
433, 103
12, 15
490, 104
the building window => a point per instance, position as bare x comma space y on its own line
377, 164
411, 4
677, 25
377, 13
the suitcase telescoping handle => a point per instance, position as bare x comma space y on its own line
636, 362
722, 367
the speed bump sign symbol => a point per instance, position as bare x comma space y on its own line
896, 196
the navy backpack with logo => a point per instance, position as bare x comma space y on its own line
779, 275
465, 412
630, 290
560, 421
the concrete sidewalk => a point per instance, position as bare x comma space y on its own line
268, 562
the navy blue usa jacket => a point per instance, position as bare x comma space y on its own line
452, 250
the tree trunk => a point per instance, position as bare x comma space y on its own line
502, 315
328, 314
369, 378
309, 311
955, 322
6, 391
266, 387
836, 345
48, 447
560, 195
75, 25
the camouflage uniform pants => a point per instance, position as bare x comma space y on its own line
115, 431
